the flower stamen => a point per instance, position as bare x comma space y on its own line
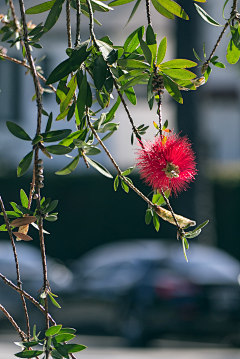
171, 170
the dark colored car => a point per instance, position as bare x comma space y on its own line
145, 289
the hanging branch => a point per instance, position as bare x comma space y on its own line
69, 32
232, 17
148, 12
28, 296
78, 39
19, 283
38, 131
14, 324
94, 40
24, 64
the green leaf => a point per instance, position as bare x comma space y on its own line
29, 353
40, 8
62, 70
17, 131
3, 228
132, 41
142, 79
135, 64
150, 92
67, 330
116, 183
148, 216
111, 114
174, 8
52, 218
53, 136
71, 111
133, 11
24, 210
53, 330
12, 214
60, 348
218, 64
119, 2
36, 139
179, 73
79, 55
184, 249
64, 337
108, 127
54, 302
69, 168
81, 100
204, 15
53, 15
124, 186
62, 115
224, 9
100, 168
201, 225
99, 72
92, 150
162, 50
55, 354
24, 164
128, 171
172, 89
27, 344
162, 10
49, 123
51, 206
150, 36
72, 87
69, 139
146, 51
58, 149
24, 198
130, 93
233, 52
74, 348
193, 234
196, 55
178, 64
156, 221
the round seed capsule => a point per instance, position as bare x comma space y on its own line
40, 161
41, 185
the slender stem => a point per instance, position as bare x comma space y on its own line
180, 230
69, 32
24, 64
13, 14
148, 12
38, 131
91, 28
218, 42
159, 112
19, 283
12, 321
28, 296
78, 39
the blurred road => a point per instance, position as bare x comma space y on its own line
113, 348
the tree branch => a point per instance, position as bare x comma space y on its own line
14, 324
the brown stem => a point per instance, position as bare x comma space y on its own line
28, 296
17, 266
159, 111
218, 42
69, 35
91, 24
14, 324
148, 12
77, 40
24, 64
13, 14
180, 230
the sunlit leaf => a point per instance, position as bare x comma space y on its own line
69, 168
40, 8
204, 15
24, 164
100, 168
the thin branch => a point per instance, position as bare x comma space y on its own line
91, 28
159, 112
38, 131
148, 12
24, 64
14, 324
13, 14
69, 32
28, 296
78, 38
17, 266
180, 230
218, 42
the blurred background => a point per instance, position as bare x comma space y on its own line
92, 214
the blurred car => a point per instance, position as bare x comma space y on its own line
30, 263
145, 289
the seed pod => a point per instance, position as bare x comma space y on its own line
35, 196
40, 167
41, 185
40, 161
40, 178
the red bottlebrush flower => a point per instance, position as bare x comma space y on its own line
167, 164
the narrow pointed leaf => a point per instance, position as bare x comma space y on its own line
69, 168
133, 11
162, 50
174, 8
24, 164
29, 354
162, 10
132, 41
74, 348
148, 216
53, 15
53, 330
204, 15
99, 72
17, 131
100, 168
23, 198
53, 136
54, 302
62, 70
72, 87
172, 89
178, 64
40, 8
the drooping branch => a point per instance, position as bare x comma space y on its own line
38, 131
28, 296
24, 64
19, 283
78, 38
69, 32
148, 12
14, 324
